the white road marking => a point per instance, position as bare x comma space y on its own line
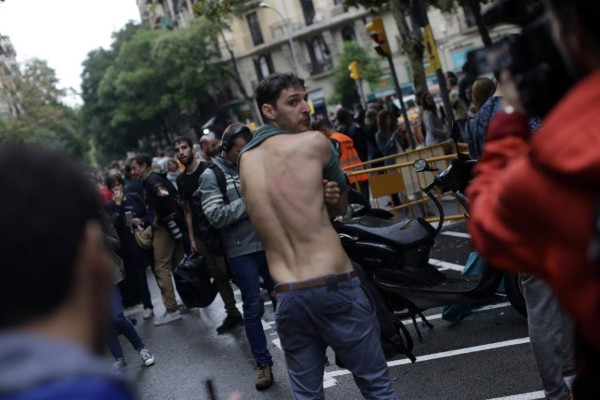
477, 309
446, 265
456, 234
523, 396
329, 377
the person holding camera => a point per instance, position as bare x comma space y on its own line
128, 212
187, 184
167, 215
534, 199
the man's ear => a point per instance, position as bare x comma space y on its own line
269, 111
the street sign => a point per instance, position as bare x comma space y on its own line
432, 53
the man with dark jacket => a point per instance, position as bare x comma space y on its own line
245, 252
56, 282
168, 222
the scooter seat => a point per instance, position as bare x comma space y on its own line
401, 234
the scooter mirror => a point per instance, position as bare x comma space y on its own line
421, 165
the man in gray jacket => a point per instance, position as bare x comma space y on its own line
245, 252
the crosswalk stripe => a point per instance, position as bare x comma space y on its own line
456, 234
329, 380
523, 396
446, 265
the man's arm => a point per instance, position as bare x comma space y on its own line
334, 185
219, 213
189, 224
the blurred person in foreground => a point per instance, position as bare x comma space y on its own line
534, 199
56, 282
291, 181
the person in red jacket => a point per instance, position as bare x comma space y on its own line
533, 200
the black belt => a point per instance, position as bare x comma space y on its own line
316, 282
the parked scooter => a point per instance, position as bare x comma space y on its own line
395, 254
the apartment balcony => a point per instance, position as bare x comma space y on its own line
319, 67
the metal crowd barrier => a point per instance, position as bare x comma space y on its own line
401, 179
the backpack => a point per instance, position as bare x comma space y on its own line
209, 235
395, 338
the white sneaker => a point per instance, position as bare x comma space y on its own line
167, 318
147, 357
148, 313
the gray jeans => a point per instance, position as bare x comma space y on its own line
309, 320
552, 337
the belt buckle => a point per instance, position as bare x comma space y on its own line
331, 282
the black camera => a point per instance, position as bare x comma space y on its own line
530, 56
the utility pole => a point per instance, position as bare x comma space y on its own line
376, 30
419, 12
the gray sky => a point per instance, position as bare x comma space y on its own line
62, 32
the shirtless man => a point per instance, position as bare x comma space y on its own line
291, 183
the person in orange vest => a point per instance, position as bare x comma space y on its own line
348, 154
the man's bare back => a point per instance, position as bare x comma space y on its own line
283, 191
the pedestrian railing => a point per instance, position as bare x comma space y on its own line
399, 178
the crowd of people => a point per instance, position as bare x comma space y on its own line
271, 196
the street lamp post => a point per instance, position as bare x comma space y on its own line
287, 34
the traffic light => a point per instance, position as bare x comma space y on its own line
354, 70
376, 30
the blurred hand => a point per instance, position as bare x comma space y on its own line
331, 192
135, 222
117, 196
511, 96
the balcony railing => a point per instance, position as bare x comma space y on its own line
319, 67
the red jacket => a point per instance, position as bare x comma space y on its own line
533, 201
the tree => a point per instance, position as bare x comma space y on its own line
136, 92
342, 83
43, 118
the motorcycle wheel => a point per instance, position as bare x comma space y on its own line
514, 293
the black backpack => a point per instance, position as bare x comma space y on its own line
209, 235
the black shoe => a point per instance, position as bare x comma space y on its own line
229, 323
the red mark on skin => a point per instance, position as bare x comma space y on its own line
290, 189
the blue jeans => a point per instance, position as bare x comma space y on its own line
246, 271
309, 320
121, 322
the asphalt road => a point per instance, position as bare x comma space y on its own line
485, 356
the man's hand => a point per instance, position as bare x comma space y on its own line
135, 222
331, 192
511, 97
193, 245
118, 196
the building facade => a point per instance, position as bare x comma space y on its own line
306, 37
8, 69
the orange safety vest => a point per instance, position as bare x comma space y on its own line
349, 156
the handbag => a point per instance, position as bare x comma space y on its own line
143, 237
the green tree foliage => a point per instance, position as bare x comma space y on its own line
369, 68
42, 117
136, 92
